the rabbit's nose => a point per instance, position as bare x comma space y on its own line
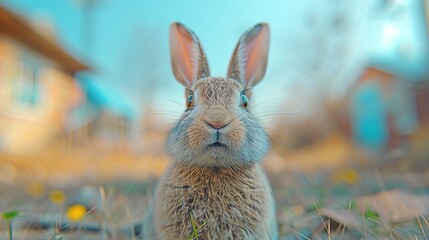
216, 124
217, 117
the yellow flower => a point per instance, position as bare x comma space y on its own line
298, 209
57, 197
76, 212
347, 175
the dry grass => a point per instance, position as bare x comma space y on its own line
116, 186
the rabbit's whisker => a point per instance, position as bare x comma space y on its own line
160, 124
280, 113
159, 154
175, 112
267, 101
139, 151
258, 104
294, 170
173, 101
269, 129
164, 113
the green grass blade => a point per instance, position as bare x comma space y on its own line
9, 215
195, 233
194, 226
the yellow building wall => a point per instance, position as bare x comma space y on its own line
27, 126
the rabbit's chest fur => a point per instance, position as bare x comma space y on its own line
234, 203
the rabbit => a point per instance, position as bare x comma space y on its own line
214, 181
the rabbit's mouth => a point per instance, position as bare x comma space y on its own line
217, 145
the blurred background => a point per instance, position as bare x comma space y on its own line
87, 98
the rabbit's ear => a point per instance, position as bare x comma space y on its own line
249, 60
187, 56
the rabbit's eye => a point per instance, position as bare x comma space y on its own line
190, 101
244, 100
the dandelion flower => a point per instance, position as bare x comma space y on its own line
76, 212
57, 197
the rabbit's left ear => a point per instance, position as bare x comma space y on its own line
249, 60
187, 56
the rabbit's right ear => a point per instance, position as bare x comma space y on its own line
187, 56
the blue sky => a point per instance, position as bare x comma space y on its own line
314, 44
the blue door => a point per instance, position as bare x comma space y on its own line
369, 118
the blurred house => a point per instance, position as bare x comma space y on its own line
385, 108
390, 99
37, 85
106, 118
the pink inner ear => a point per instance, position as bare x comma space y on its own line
256, 51
183, 44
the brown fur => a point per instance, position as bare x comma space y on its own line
216, 90
234, 201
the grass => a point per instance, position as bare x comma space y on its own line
121, 203
115, 216
196, 229
9, 216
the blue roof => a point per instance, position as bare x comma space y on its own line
105, 96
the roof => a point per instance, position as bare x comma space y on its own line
372, 72
109, 98
18, 29
413, 69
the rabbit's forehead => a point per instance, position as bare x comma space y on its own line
217, 90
